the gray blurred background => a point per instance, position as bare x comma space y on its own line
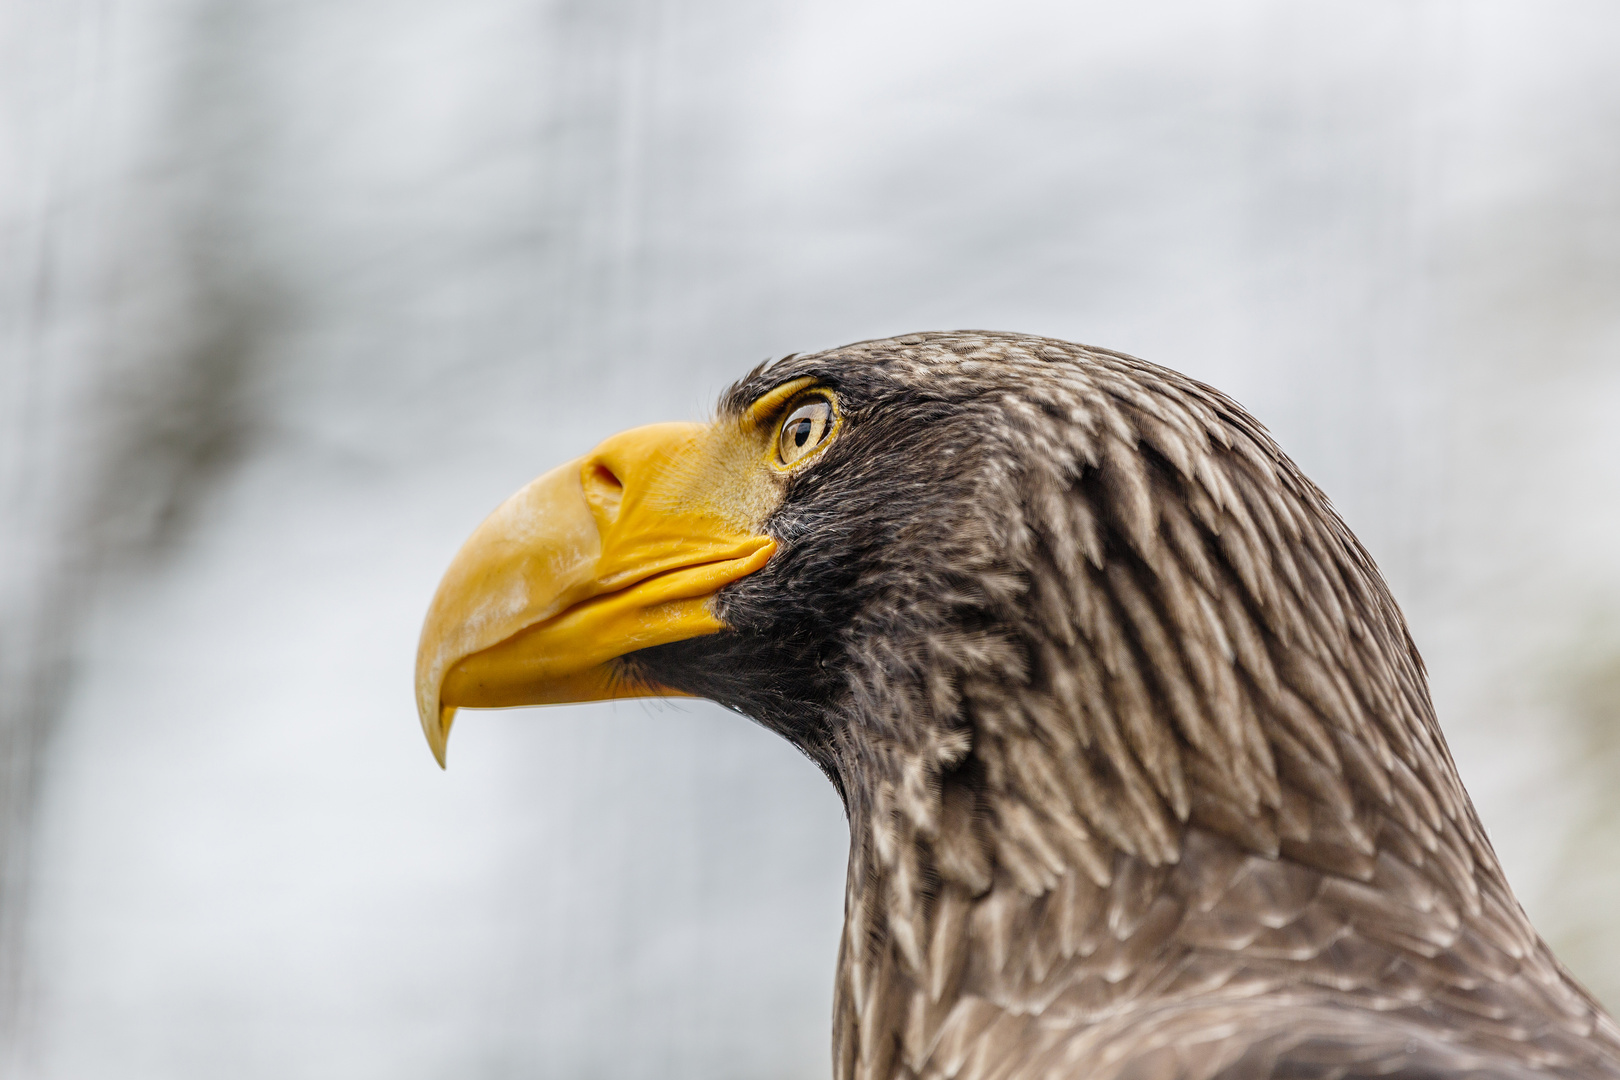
293, 292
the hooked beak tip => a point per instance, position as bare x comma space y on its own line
436, 722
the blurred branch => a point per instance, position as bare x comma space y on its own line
127, 329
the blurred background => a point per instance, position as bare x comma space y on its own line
293, 292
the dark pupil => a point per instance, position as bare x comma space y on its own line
801, 432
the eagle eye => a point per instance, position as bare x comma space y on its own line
805, 428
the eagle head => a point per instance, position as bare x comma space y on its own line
1138, 755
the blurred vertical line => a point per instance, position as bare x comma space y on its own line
600, 84
1422, 414
128, 322
53, 59
639, 78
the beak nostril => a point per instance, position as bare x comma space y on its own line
603, 490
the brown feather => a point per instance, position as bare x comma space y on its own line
1143, 777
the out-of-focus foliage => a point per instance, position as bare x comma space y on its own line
291, 293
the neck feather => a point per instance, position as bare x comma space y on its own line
999, 920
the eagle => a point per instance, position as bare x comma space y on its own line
1142, 776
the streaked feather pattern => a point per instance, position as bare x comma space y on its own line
1143, 778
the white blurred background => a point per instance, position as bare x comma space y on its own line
292, 292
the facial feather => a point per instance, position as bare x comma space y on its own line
1142, 772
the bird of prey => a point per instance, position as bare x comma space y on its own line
1142, 776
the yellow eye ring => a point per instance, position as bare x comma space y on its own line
807, 428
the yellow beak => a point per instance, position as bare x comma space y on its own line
619, 550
